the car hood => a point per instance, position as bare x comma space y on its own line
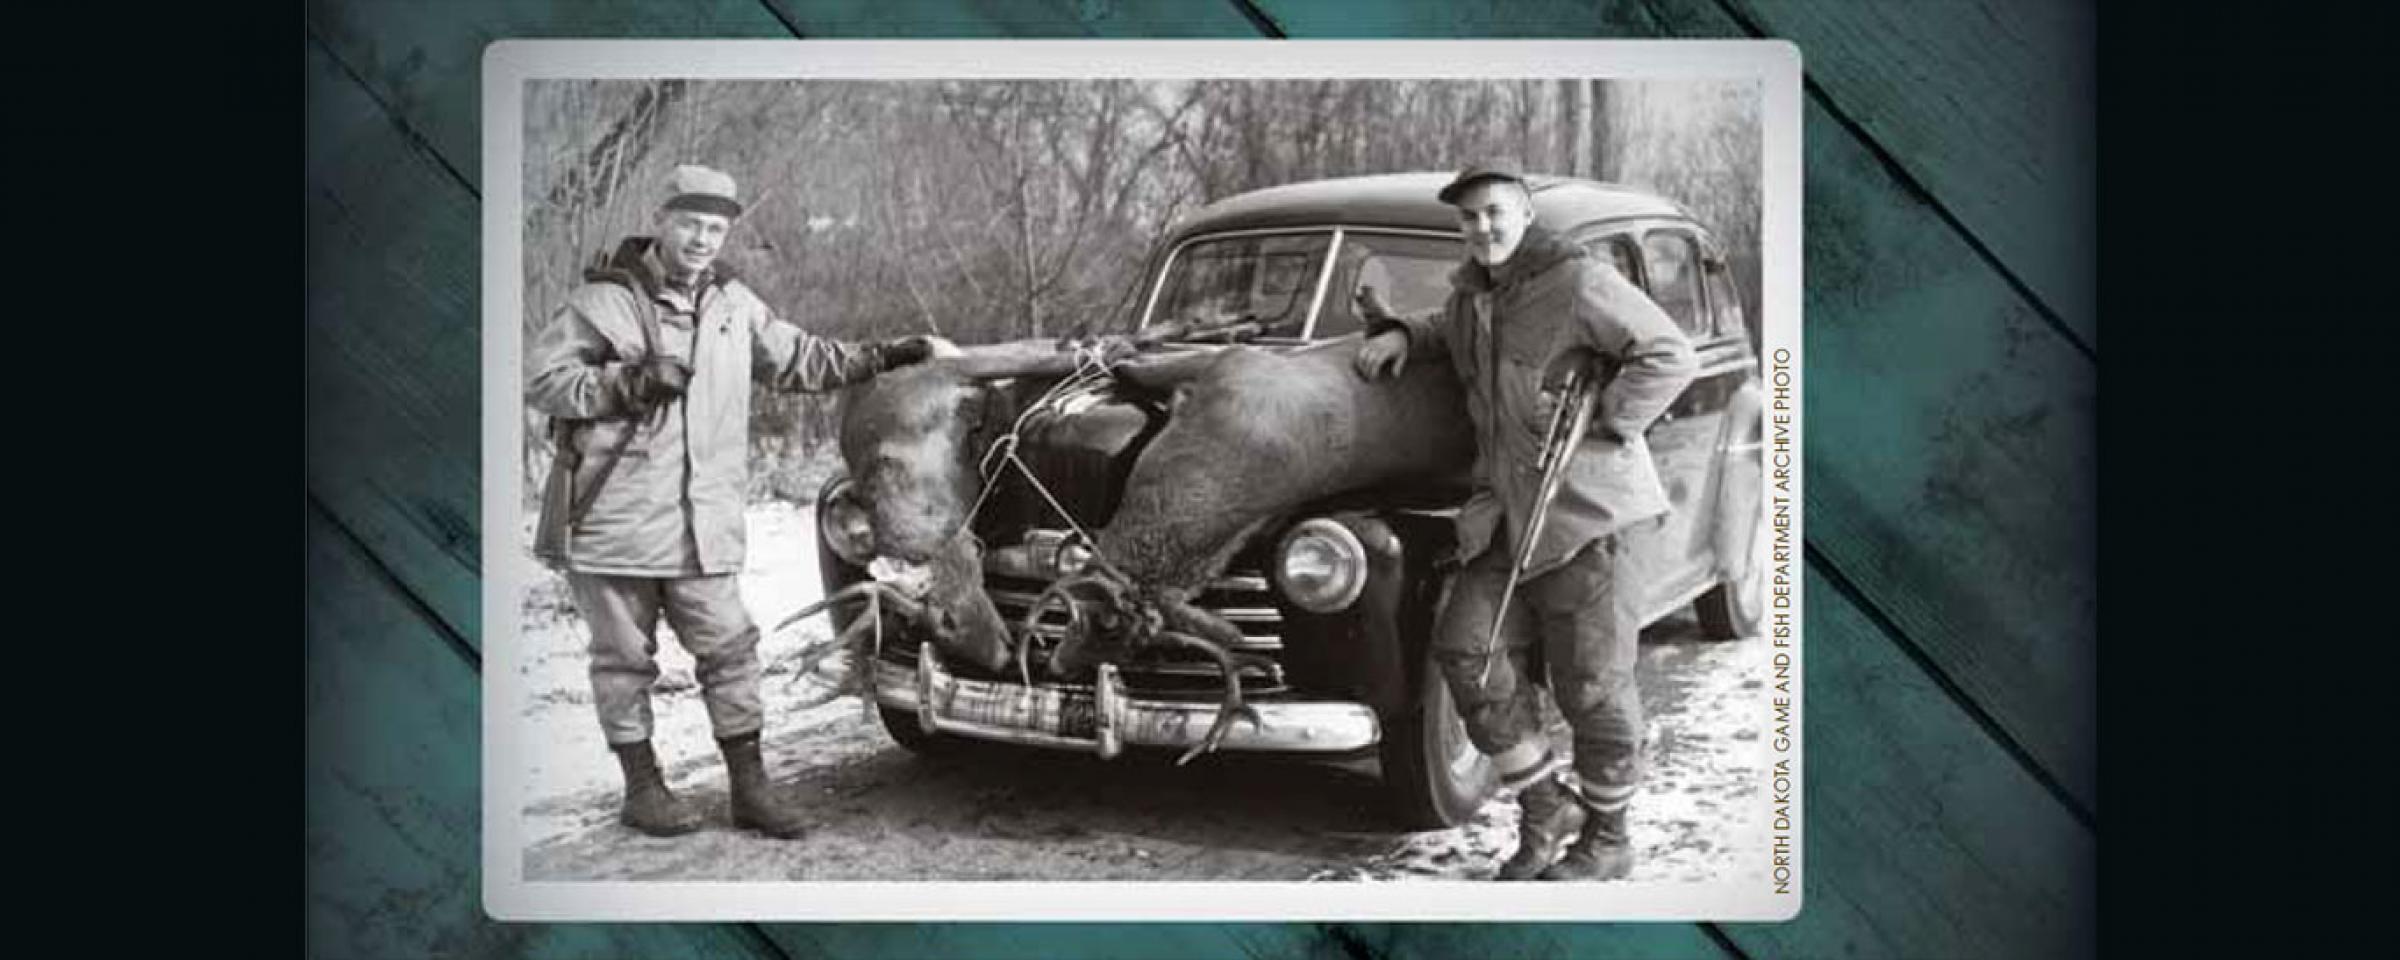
1079, 444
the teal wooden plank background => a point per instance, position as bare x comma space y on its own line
1952, 799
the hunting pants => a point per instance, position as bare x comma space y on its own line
1576, 624
707, 614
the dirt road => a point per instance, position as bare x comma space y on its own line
881, 812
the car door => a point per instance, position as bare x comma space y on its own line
1737, 472
1677, 555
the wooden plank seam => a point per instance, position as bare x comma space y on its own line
783, 18
457, 643
1259, 19
450, 633
1984, 721
408, 131
1724, 941
1917, 190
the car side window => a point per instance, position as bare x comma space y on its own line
1410, 274
1726, 302
1616, 251
1672, 264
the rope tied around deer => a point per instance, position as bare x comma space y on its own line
1101, 596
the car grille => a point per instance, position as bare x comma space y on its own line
1243, 598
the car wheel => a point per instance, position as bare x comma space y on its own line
902, 726
1433, 775
1735, 609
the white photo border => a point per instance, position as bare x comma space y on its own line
509, 64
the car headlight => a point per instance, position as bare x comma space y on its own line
1073, 556
845, 524
1321, 566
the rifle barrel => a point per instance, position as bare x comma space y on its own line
1558, 448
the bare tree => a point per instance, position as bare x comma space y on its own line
1004, 209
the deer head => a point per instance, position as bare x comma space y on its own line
908, 439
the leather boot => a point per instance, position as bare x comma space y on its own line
754, 805
649, 806
1550, 817
1604, 853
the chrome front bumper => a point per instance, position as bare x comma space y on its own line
1104, 720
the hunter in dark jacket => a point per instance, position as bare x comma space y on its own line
1522, 305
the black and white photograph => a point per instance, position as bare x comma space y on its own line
1016, 481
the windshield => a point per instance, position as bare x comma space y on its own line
1272, 279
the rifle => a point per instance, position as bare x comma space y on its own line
1568, 424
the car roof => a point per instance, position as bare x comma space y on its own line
1408, 200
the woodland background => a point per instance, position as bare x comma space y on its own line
990, 211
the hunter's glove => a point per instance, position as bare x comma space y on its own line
654, 380
900, 352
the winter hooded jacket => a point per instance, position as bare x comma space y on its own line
672, 505
1505, 330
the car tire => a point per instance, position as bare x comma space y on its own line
1736, 608
1725, 616
902, 727
1433, 776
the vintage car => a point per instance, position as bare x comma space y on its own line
1338, 622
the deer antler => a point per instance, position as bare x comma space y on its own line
1231, 709
907, 609
855, 637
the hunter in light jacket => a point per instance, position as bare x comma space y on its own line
1504, 329
671, 506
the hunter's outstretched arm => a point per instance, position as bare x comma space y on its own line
794, 360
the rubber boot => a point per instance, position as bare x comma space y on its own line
1604, 853
1550, 817
649, 806
754, 806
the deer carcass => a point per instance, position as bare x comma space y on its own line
1252, 436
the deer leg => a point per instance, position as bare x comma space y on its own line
1103, 607
1095, 600
1231, 709
1062, 591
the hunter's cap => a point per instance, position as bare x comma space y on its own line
1498, 168
701, 189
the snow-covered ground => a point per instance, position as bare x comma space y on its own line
779, 576
882, 813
